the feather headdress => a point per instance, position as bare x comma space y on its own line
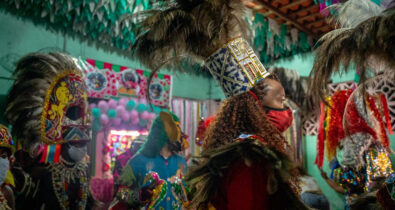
25, 103
193, 30
368, 36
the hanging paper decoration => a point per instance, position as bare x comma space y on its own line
107, 80
274, 41
103, 21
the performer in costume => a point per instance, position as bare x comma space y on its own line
122, 159
7, 200
363, 38
153, 178
48, 110
245, 163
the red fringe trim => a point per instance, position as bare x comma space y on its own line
379, 118
319, 159
355, 123
386, 113
335, 130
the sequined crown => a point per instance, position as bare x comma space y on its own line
236, 67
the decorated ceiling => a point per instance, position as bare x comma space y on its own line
281, 28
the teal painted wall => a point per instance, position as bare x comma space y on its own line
303, 63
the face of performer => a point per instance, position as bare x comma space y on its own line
5, 153
275, 95
74, 151
274, 104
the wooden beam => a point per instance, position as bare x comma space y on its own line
315, 22
309, 16
294, 15
317, 30
297, 2
284, 17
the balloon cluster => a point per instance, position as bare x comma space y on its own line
122, 111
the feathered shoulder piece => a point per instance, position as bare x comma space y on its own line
365, 38
215, 163
186, 28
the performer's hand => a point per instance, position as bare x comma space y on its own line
323, 174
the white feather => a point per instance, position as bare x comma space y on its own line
353, 12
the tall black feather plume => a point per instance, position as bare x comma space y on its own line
370, 42
186, 29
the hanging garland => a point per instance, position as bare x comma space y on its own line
99, 20
273, 41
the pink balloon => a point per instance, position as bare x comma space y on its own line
125, 116
143, 101
112, 103
145, 115
117, 121
104, 119
152, 116
103, 106
135, 121
91, 106
134, 115
120, 110
123, 101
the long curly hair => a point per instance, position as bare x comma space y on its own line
242, 114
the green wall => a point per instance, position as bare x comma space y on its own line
303, 63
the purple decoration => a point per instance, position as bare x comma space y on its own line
123, 101
145, 115
152, 116
120, 110
104, 119
112, 103
135, 121
117, 121
103, 106
134, 114
91, 106
125, 116
143, 101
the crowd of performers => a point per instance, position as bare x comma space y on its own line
245, 162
